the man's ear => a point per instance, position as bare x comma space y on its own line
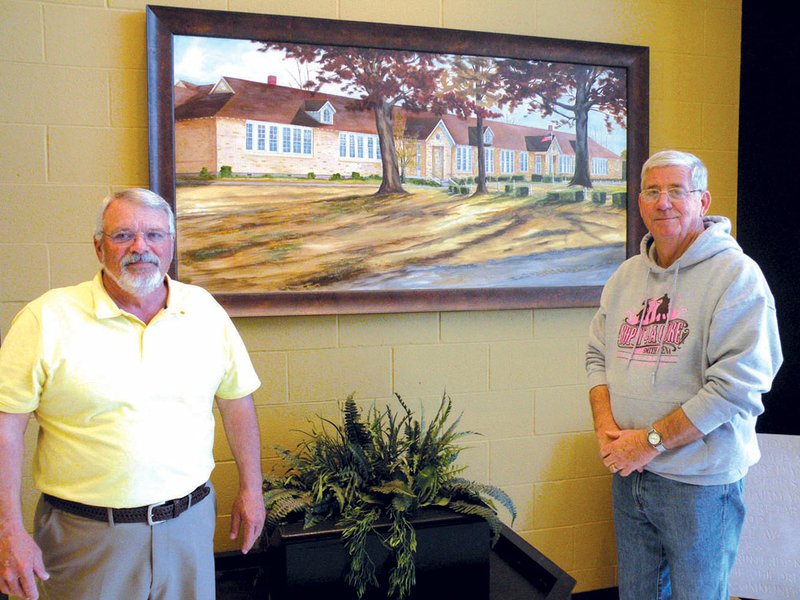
705, 201
98, 248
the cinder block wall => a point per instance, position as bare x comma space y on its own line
73, 127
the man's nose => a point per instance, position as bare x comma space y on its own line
663, 200
139, 242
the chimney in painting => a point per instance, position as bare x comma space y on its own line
272, 80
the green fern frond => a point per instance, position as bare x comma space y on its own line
392, 488
358, 524
482, 511
283, 503
402, 541
501, 496
355, 430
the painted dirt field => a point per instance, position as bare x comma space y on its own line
283, 237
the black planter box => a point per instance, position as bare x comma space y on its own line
517, 571
520, 572
452, 560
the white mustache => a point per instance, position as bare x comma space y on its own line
135, 257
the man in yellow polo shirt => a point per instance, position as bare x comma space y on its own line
121, 373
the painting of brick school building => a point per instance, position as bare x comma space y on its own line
250, 128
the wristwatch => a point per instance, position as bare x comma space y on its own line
654, 439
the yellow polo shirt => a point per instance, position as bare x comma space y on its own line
124, 408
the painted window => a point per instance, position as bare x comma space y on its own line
359, 146
273, 138
506, 161
270, 138
600, 166
488, 159
566, 163
287, 140
523, 162
464, 159
248, 136
262, 137
537, 164
327, 115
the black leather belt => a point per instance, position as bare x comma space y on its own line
151, 514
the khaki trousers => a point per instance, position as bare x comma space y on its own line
92, 560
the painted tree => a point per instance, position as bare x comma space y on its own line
570, 92
379, 81
470, 87
405, 148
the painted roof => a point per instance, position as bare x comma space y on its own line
272, 103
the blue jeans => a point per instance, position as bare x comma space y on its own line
674, 540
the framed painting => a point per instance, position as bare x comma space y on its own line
325, 167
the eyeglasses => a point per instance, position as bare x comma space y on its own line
674, 193
151, 236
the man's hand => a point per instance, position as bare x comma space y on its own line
606, 435
241, 428
627, 451
20, 558
247, 518
20, 563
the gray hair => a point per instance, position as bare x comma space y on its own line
674, 158
139, 196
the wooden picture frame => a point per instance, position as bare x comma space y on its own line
164, 23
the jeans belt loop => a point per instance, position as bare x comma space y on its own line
110, 517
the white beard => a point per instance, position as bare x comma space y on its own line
138, 285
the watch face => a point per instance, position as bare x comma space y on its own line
654, 438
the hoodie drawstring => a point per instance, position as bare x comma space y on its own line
666, 324
641, 317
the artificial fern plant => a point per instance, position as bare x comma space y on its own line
381, 468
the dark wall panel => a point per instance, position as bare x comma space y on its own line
769, 186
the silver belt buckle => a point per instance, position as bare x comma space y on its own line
150, 507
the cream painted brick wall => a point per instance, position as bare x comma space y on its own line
24, 271
323, 375
64, 214
387, 330
23, 153
84, 93
73, 126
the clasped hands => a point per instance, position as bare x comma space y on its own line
625, 450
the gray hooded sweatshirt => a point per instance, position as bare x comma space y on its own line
700, 334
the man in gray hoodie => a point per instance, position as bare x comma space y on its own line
683, 346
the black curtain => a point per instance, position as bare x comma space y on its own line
769, 166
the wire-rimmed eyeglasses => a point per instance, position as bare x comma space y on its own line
151, 236
673, 193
